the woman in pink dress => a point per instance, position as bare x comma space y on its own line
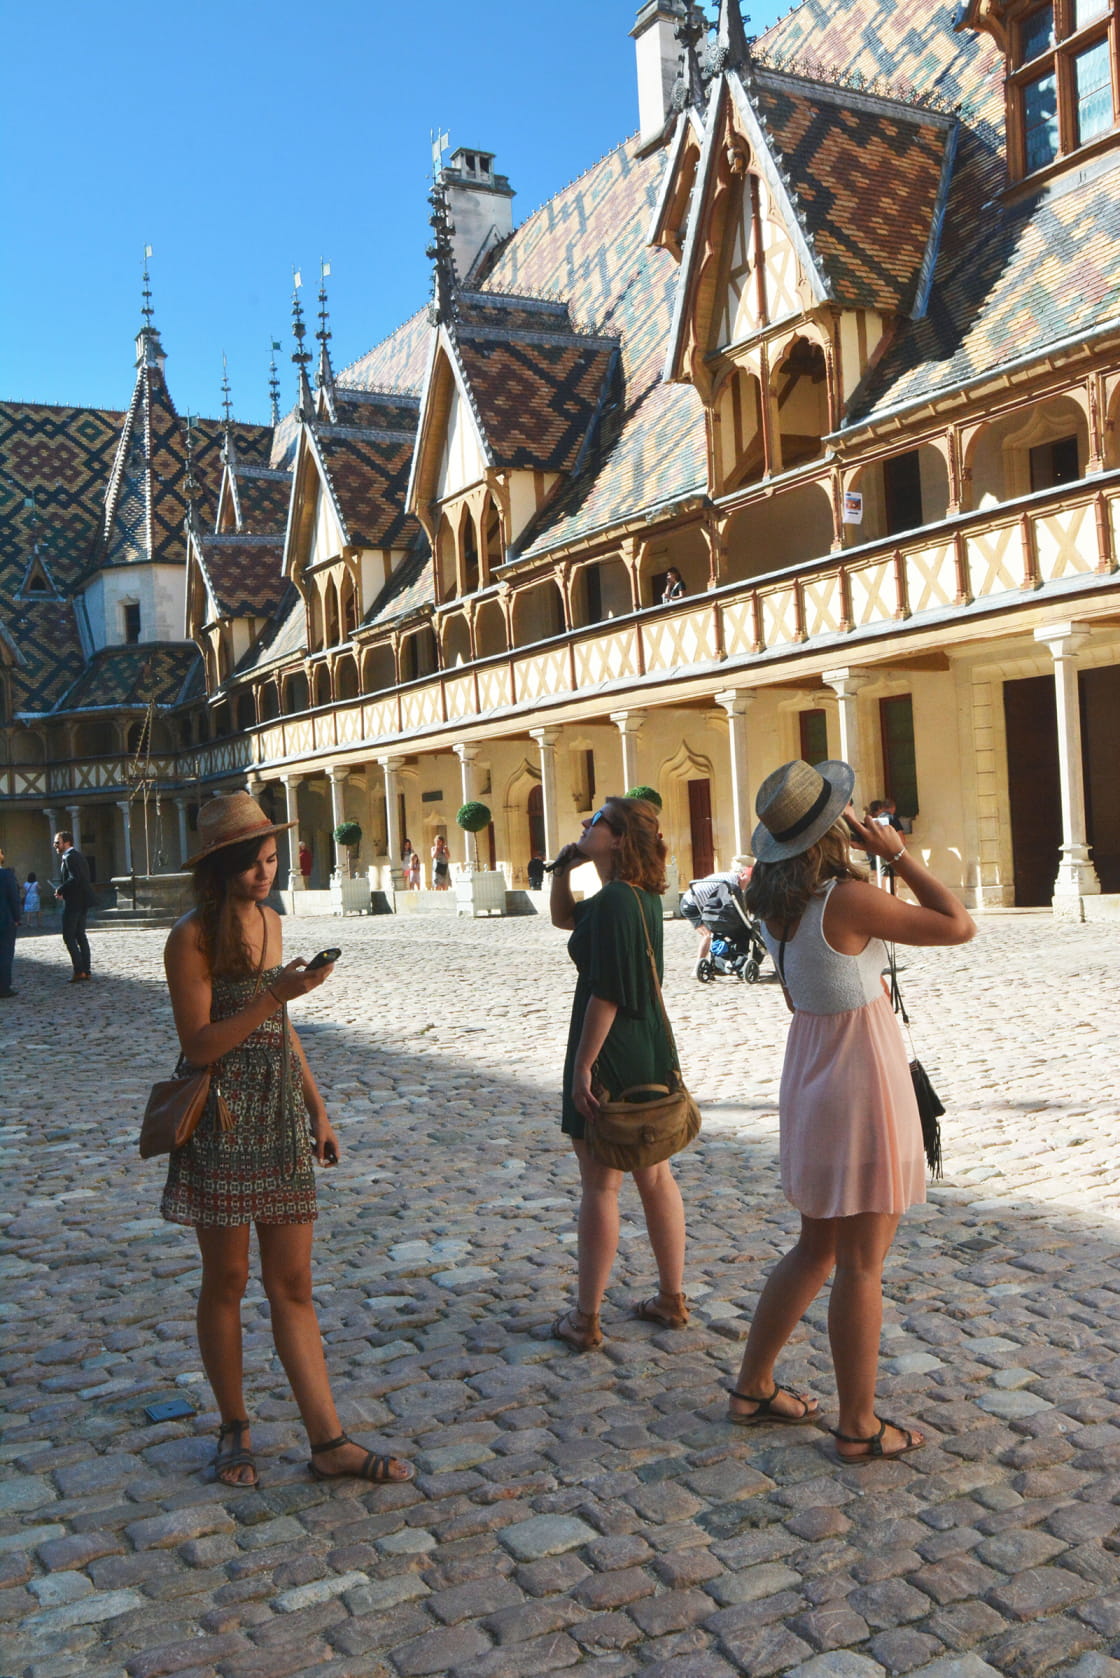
851, 1141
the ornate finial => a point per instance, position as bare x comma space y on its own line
732, 50
146, 310
301, 356
325, 374
190, 485
227, 400
690, 32
274, 384
441, 251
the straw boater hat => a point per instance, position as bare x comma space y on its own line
797, 805
229, 820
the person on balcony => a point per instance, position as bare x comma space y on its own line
674, 586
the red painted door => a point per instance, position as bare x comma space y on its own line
700, 824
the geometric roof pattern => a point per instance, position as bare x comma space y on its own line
367, 469
117, 677
244, 574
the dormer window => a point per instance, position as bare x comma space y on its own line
1061, 80
131, 615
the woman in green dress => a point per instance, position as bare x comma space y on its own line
618, 1033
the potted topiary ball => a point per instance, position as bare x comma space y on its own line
348, 836
650, 794
473, 818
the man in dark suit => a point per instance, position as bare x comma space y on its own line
76, 894
9, 920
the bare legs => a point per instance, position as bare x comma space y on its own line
599, 1220
856, 1247
286, 1273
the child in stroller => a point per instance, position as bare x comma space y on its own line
731, 943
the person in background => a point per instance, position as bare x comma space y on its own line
618, 1034
692, 904
305, 862
9, 920
414, 871
252, 1167
75, 893
674, 586
32, 902
535, 871
441, 865
852, 1159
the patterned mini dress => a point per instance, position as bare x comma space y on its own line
260, 1171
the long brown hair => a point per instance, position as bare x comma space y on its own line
780, 891
220, 931
640, 858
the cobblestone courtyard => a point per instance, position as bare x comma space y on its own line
593, 1513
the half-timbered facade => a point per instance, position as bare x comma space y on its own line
837, 335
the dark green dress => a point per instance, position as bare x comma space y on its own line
608, 947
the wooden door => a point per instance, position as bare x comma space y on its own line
1033, 788
1100, 736
700, 826
536, 821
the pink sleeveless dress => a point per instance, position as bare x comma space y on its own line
851, 1139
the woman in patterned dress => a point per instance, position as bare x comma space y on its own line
228, 984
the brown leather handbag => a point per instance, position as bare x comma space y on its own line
176, 1105
648, 1122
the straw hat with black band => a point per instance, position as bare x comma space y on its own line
231, 819
797, 805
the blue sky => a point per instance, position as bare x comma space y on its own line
240, 139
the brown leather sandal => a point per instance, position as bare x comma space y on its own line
667, 1310
376, 1468
874, 1443
578, 1329
764, 1413
237, 1456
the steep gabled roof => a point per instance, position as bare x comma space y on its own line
132, 676
367, 472
243, 574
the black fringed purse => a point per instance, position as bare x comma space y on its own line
930, 1105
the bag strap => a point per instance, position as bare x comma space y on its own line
656, 980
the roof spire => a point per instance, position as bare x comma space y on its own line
300, 356
190, 484
324, 377
690, 32
441, 251
732, 47
274, 383
149, 350
227, 399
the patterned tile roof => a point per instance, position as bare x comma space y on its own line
851, 161
398, 363
263, 497
132, 676
408, 589
244, 574
368, 474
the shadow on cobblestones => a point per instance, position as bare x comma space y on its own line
590, 1512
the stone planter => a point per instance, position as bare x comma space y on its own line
350, 895
480, 893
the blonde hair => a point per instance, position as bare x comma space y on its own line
779, 891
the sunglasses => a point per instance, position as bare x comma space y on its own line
601, 816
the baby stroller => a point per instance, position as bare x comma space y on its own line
737, 949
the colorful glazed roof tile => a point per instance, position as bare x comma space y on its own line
260, 497
368, 475
408, 590
123, 677
850, 160
244, 574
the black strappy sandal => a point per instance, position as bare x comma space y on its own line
810, 1408
375, 1468
239, 1456
875, 1451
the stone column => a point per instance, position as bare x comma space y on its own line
391, 769
629, 725
338, 816
1077, 878
125, 810
74, 811
296, 881
546, 739
846, 685
468, 788
737, 703
184, 830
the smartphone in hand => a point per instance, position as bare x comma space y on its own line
323, 959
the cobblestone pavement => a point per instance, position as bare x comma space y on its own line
594, 1513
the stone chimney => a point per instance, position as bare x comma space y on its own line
481, 206
660, 58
